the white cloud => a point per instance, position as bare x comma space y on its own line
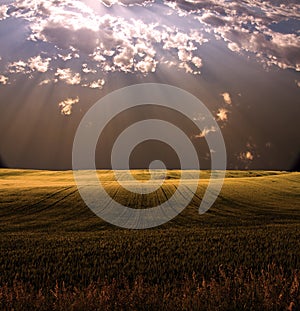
109, 3
246, 156
47, 81
67, 105
206, 131
3, 79
127, 43
115, 42
184, 55
3, 12
222, 114
98, 57
17, 67
97, 84
233, 47
124, 60
86, 69
68, 76
38, 63
65, 57
146, 65
185, 66
197, 61
226, 98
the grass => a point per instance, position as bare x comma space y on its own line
243, 254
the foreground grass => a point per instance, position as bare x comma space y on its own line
243, 254
237, 290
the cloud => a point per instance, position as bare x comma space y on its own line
222, 114
124, 60
116, 43
68, 56
68, 76
109, 3
246, 156
38, 63
35, 63
3, 80
17, 67
86, 69
205, 132
186, 66
249, 27
184, 55
233, 47
47, 81
226, 98
148, 64
97, 84
197, 61
127, 43
3, 12
67, 105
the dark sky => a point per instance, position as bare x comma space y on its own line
59, 57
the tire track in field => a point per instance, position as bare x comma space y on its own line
167, 194
48, 196
60, 199
27, 206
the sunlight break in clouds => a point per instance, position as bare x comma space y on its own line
113, 37
67, 105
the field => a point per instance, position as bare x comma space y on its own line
243, 254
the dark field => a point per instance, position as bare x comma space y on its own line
243, 254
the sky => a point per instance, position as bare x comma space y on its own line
240, 58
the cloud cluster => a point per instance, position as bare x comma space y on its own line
68, 76
138, 44
138, 36
255, 27
98, 84
35, 63
39, 64
115, 42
